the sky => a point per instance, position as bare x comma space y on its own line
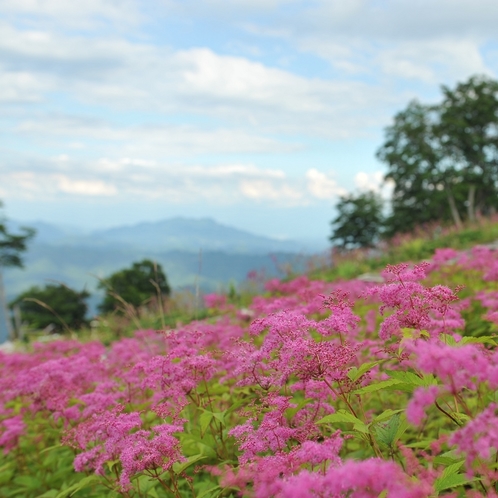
257, 113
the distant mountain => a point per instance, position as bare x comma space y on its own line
193, 252
181, 234
186, 234
46, 233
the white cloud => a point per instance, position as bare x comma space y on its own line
264, 190
179, 183
369, 181
124, 75
89, 188
374, 182
88, 14
322, 186
154, 141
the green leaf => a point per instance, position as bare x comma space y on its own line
485, 339
220, 416
448, 458
83, 483
112, 463
452, 481
144, 483
386, 432
52, 493
178, 467
356, 373
402, 427
50, 448
386, 414
28, 482
451, 478
6, 476
378, 386
205, 420
205, 493
340, 416
406, 377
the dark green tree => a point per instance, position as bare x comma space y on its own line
424, 183
443, 158
11, 248
55, 304
359, 221
136, 286
468, 133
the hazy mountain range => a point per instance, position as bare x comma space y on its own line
191, 251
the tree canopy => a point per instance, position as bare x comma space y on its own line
11, 246
135, 286
55, 304
443, 158
359, 220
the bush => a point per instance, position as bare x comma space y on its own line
55, 305
134, 287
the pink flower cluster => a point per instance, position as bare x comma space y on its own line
301, 359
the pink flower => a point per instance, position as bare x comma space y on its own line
479, 438
422, 398
13, 428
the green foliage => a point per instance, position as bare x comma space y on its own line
442, 159
359, 220
55, 304
415, 167
11, 246
134, 287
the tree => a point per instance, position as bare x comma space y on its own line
11, 247
423, 187
135, 286
468, 132
443, 158
359, 220
55, 305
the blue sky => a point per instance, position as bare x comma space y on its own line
258, 113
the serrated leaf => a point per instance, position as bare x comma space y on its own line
452, 481
378, 386
451, 469
406, 377
484, 339
386, 414
448, 458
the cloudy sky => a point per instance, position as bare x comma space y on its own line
258, 113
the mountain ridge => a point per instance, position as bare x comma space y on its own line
177, 233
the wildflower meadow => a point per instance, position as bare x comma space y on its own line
352, 388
